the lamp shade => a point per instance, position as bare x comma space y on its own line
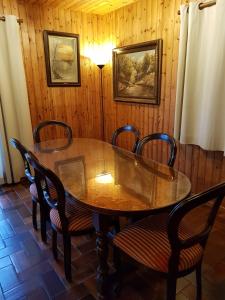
100, 54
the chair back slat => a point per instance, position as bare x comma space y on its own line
22, 149
128, 128
162, 137
214, 194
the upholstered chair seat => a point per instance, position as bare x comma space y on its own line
147, 242
78, 218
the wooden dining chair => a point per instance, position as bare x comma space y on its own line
33, 189
162, 137
114, 142
167, 245
66, 215
52, 123
44, 124
128, 128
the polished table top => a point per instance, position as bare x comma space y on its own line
112, 180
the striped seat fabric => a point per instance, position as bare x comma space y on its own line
52, 191
147, 242
79, 219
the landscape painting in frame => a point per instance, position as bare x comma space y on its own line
62, 58
137, 72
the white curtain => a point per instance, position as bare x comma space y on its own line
14, 109
200, 98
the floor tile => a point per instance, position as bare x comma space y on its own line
37, 294
31, 247
76, 292
52, 284
2, 216
10, 250
22, 261
6, 230
2, 244
23, 211
14, 219
29, 271
8, 278
21, 290
5, 261
5, 202
22, 191
36, 271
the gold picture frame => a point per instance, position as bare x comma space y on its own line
62, 58
137, 72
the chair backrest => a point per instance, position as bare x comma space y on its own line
44, 180
36, 132
16, 144
129, 128
162, 137
215, 195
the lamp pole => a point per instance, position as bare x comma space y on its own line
101, 66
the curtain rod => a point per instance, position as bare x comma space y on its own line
204, 5
18, 20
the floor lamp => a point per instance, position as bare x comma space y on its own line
103, 177
101, 66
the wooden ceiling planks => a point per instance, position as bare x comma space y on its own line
100, 7
79, 5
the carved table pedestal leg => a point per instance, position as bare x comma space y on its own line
101, 227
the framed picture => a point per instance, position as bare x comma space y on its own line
62, 58
137, 72
72, 172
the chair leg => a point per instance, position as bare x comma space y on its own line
116, 259
171, 288
199, 282
43, 223
118, 267
54, 244
117, 225
116, 251
67, 256
34, 214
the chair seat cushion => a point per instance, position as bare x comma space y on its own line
79, 218
147, 242
52, 191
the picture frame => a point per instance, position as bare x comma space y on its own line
62, 58
137, 72
73, 173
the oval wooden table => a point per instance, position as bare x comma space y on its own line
111, 181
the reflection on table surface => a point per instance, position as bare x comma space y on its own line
110, 178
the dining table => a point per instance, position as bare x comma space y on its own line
111, 182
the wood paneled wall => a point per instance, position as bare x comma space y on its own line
77, 106
142, 21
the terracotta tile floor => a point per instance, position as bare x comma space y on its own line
28, 270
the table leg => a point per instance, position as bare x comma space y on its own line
101, 227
